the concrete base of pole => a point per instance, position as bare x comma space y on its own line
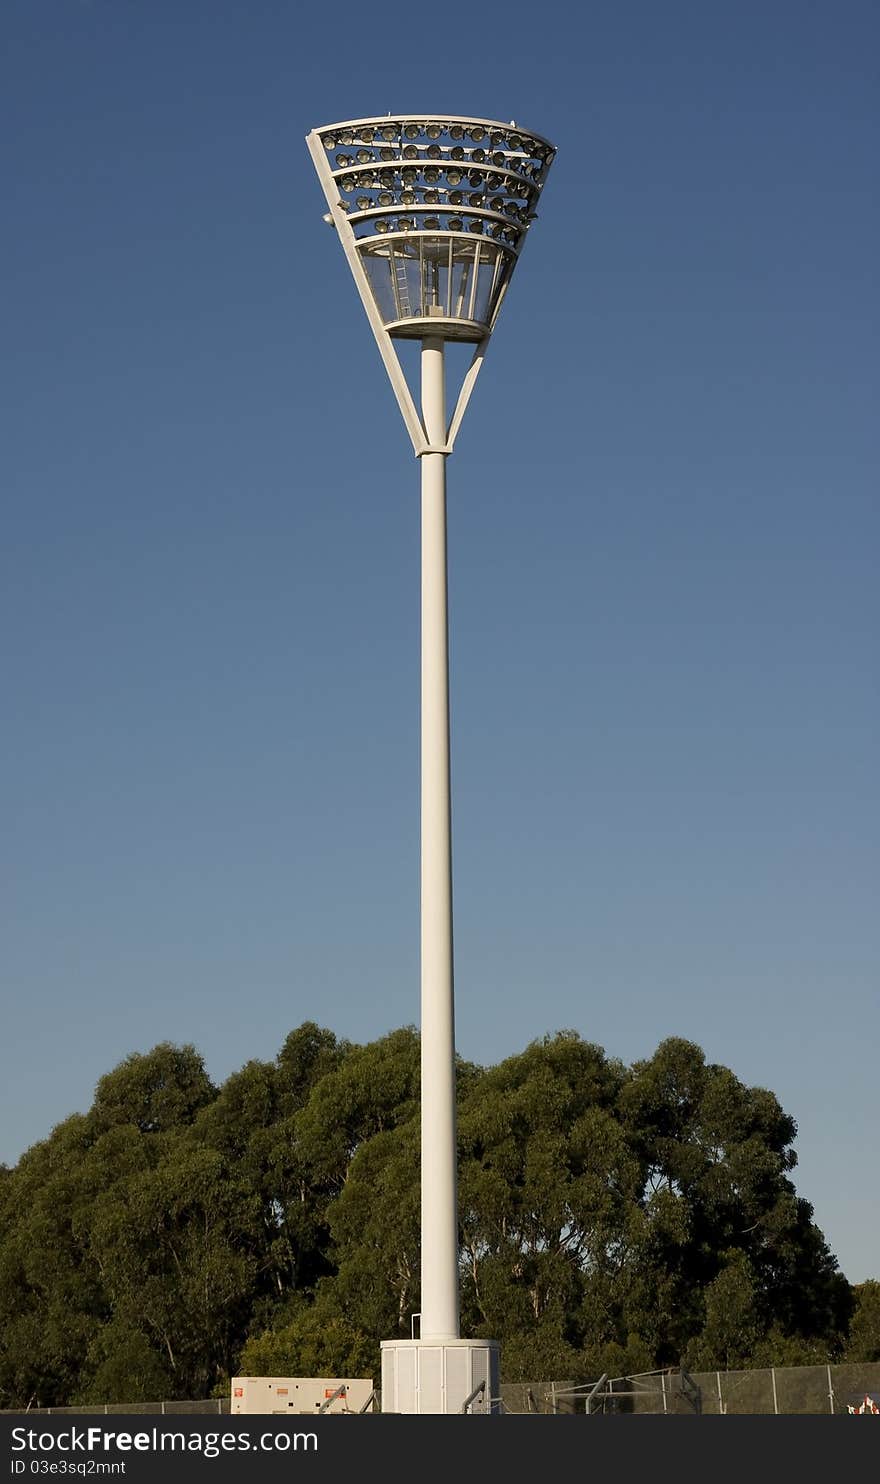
430, 1376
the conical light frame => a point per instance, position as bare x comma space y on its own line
427, 266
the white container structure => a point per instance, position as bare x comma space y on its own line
452, 1376
432, 211
285, 1396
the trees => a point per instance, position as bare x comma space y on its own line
163, 1090
719, 1208
177, 1247
864, 1333
611, 1218
51, 1301
59, 1270
312, 1344
546, 1179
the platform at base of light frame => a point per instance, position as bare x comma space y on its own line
431, 1376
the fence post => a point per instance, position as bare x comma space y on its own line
775, 1402
830, 1391
663, 1387
720, 1398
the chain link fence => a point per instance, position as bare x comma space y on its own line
210, 1407
779, 1390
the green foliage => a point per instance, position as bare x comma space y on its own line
612, 1219
374, 1088
374, 1224
157, 1092
731, 1328
313, 1344
122, 1361
546, 1177
864, 1333
177, 1250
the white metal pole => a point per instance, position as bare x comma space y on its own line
439, 1216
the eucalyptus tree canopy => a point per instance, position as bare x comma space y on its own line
611, 1218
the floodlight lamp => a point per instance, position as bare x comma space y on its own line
411, 131
433, 131
346, 137
456, 131
456, 153
477, 132
389, 132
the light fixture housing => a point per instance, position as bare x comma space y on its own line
430, 271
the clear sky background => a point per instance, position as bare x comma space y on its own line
663, 530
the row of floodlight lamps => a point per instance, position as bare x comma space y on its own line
454, 175
455, 201
432, 175
476, 225
414, 196
393, 132
497, 196
435, 157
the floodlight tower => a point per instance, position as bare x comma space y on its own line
432, 212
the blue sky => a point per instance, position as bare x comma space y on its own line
663, 540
